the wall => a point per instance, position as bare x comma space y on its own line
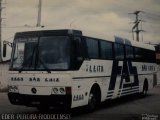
3, 75
158, 75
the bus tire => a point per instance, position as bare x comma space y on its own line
145, 88
94, 99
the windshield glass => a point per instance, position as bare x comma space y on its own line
45, 53
54, 52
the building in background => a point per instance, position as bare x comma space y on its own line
4, 66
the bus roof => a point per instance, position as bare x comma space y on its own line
49, 32
121, 40
79, 32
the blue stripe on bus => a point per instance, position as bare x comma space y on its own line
126, 92
110, 92
129, 93
109, 95
130, 89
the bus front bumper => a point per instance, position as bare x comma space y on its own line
37, 100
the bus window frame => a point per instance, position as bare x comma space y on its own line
101, 49
124, 55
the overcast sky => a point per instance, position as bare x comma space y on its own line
95, 17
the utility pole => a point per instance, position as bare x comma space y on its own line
0, 30
137, 24
39, 13
135, 28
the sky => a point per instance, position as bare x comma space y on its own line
98, 18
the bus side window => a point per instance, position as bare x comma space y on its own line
92, 48
149, 56
119, 51
140, 54
79, 48
106, 50
78, 52
129, 52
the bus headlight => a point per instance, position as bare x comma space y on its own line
62, 90
58, 90
13, 88
55, 90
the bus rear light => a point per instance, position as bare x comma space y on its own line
68, 90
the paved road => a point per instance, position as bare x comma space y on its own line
127, 108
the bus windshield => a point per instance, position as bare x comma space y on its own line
44, 53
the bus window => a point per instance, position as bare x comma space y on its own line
92, 45
78, 48
138, 54
144, 55
129, 52
149, 56
119, 51
157, 47
106, 50
78, 52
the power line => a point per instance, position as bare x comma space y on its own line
24, 26
8, 38
152, 14
152, 17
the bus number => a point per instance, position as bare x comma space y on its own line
94, 68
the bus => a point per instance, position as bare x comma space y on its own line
64, 68
157, 48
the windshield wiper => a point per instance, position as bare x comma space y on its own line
45, 67
37, 58
21, 69
30, 59
41, 61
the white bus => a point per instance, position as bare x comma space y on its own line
64, 68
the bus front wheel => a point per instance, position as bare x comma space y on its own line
94, 99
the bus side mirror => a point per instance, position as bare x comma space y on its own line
4, 49
5, 43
